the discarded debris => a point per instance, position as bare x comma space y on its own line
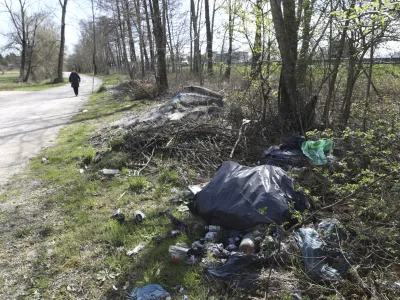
110, 172
178, 252
85, 111
240, 197
135, 250
44, 160
195, 103
118, 216
322, 253
150, 292
315, 151
139, 216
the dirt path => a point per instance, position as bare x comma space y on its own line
31, 120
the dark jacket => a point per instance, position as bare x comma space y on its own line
74, 79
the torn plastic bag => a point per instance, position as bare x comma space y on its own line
315, 150
240, 197
322, 255
241, 270
287, 155
150, 292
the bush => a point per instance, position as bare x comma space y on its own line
138, 184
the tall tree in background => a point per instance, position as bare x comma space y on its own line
159, 35
230, 37
209, 38
19, 21
62, 41
196, 43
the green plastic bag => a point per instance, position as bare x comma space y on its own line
315, 150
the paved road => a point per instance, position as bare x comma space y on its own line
30, 120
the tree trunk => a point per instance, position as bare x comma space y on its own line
141, 44
230, 33
24, 43
126, 62
371, 64
209, 38
303, 62
62, 42
290, 103
351, 80
257, 45
130, 34
94, 42
159, 35
196, 38
152, 59
335, 71
171, 47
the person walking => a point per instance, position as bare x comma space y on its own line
74, 78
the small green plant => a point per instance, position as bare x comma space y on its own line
116, 143
116, 234
138, 184
114, 160
169, 176
88, 157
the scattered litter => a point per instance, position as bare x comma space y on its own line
81, 171
150, 292
115, 288
249, 245
213, 228
191, 260
110, 172
178, 252
240, 197
241, 270
211, 236
135, 250
44, 160
85, 111
174, 190
139, 216
118, 216
322, 254
315, 151
126, 285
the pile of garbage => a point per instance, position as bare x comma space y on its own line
246, 210
191, 104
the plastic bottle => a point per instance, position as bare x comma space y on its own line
248, 244
213, 228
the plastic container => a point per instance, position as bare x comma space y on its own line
178, 253
213, 228
211, 236
139, 216
248, 244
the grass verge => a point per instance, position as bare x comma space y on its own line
77, 251
7, 83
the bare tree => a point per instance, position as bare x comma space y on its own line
62, 41
159, 35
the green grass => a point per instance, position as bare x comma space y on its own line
89, 244
7, 83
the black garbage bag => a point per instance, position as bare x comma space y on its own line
239, 270
323, 257
287, 155
240, 197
